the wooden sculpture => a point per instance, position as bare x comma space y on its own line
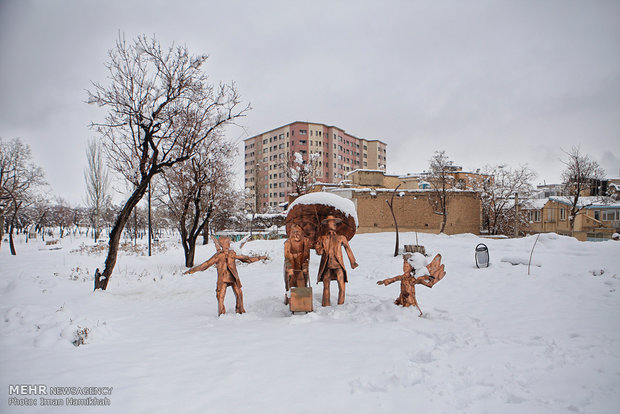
227, 275
408, 281
296, 259
329, 246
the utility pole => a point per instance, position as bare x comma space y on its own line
516, 215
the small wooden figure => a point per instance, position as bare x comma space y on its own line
296, 258
329, 246
408, 281
227, 275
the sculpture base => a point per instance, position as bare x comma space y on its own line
301, 299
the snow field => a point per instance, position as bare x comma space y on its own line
491, 340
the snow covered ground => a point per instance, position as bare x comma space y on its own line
492, 340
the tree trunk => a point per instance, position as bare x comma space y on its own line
391, 205
135, 227
190, 251
444, 218
205, 234
1, 228
11, 243
102, 279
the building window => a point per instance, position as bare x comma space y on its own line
611, 215
303, 131
597, 215
534, 216
562, 213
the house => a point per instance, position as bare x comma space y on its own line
597, 219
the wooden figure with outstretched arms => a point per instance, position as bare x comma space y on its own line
408, 281
227, 275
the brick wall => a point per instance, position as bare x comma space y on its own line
414, 212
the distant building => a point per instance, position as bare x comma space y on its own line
598, 219
462, 180
339, 153
370, 189
413, 210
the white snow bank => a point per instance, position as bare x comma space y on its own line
328, 199
519, 260
491, 340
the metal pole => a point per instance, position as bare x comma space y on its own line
516, 215
149, 218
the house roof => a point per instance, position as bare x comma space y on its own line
588, 202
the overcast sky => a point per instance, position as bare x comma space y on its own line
487, 81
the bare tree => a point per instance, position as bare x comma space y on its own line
301, 172
578, 176
161, 107
62, 216
196, 189
97, 182
441, 180
497, 193
19, 178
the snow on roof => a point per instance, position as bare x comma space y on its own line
329, 199
265, 216
364, 170
404, 190
536, 203
588, 202
526, 203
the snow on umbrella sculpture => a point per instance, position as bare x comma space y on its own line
418, 273
328, 222
482, 255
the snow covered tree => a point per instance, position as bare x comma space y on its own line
160, 108
97, 182
497, 193
301, 172
19, 180
579, 175
441, 180
194, 191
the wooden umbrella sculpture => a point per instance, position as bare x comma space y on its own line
305, 225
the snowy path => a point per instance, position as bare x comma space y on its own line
492, 340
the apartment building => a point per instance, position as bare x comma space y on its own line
338, 153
